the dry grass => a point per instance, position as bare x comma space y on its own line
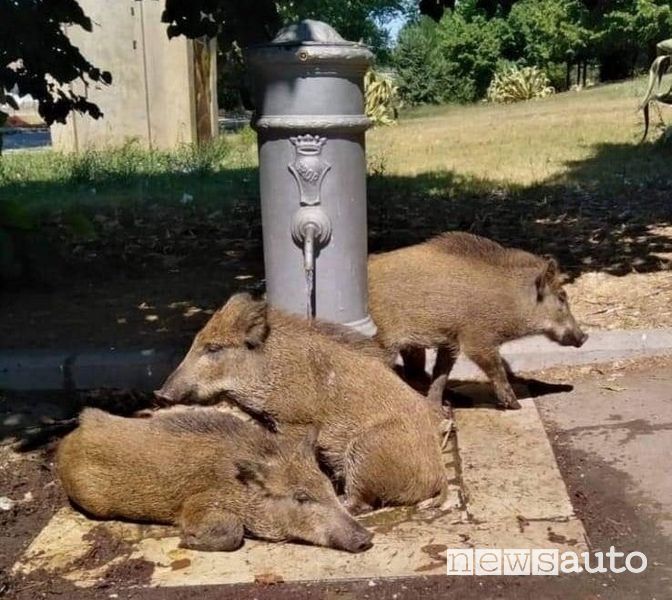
520, 144
563, 175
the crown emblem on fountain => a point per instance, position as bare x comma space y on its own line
308, 145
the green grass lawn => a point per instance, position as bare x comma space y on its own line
48, 181
586, 138
574, 137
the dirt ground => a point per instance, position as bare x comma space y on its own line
29, 480
638, 300
154, 283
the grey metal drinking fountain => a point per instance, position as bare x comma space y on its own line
309, 96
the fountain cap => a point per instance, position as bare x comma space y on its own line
309, 31
310, 44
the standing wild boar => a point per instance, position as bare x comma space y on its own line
215, 476
459, 291
376, 434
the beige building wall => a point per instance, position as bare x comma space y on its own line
152, 98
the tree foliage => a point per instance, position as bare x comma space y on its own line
617, 36
419, 64
250, 22
628, 33
37, 58
548, 31
452, 61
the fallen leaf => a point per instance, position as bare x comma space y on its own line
6, 503
182, 563
268, 579
613, 388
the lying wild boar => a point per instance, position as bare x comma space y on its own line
378, 436
463, 292
214, 475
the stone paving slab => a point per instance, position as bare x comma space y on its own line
509, 494
416, 547
508, 466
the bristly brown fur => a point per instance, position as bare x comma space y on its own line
376, 434
213, 475
350, 337
467, 244
461, 292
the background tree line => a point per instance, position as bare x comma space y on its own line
447, 52
454, 59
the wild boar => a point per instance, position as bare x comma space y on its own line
377, 436
459, 291
213, 475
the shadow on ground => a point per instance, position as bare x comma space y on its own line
148, 268
466, 394
29, 420
604, 214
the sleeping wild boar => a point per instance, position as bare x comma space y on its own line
376, 435
215, 476
459, 291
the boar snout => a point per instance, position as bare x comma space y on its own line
351, 536
173, 390
574, 337
162, 398
581, 339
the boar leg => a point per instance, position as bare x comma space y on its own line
414, 362
445, 360
206, 526
492, 364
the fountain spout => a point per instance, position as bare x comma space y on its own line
311, 229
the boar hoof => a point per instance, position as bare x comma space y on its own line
211, 544
218, 537
509, 405
434, 502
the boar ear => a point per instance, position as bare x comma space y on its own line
256, 330
251, 472
547, 274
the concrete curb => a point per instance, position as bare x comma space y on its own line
537, 353
35, 370
38, 370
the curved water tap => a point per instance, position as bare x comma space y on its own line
311, 229
309, 247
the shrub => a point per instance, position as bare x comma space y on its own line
471, 49
419, 63
453, 61
518, 84
382, 98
